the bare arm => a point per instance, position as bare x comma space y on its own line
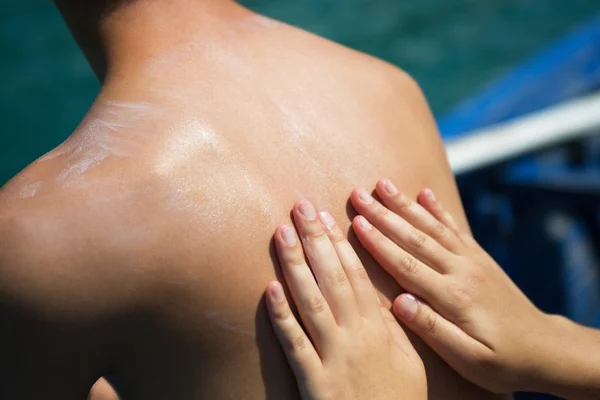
569, 366
463, 305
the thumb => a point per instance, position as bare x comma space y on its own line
449, 341
399, 336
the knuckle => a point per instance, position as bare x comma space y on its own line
360, 273
439, 228
382, 212
418, 240
459, 297
402, 202
315, 233
299, 344
336, 235
430, 321
476, 278
294, 258
282, 313
409, 264
316, 305
338, 277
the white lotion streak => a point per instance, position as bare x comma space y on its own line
112, 129
223, 323
29, 190
188, 142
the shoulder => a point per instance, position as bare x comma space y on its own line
46, 261
389, 87
90, 248
341, 64
62, 252
83, 271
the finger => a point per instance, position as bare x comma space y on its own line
364, 292
428, 200
311, 304
325, 264
298, 349
449, 341
410, 273
416, 215
402, 233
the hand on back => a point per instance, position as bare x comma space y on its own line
351, 348
458, 300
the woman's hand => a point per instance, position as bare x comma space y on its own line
459, 301
352, 348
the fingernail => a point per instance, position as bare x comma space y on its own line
288, 236
364, 224
408, 307
390, 188
307, 210
364, 196
276, 292
430, 196
326, 219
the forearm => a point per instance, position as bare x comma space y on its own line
569, 365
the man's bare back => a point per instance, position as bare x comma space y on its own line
142, 245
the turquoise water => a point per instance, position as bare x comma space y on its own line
452, 47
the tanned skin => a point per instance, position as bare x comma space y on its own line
141, 246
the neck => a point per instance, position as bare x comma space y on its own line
117, 36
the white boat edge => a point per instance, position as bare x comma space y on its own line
570, 120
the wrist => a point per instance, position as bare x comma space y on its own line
546, 358
567, 360
533, 359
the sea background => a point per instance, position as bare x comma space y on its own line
452, 47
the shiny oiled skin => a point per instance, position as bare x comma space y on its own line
141, 247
